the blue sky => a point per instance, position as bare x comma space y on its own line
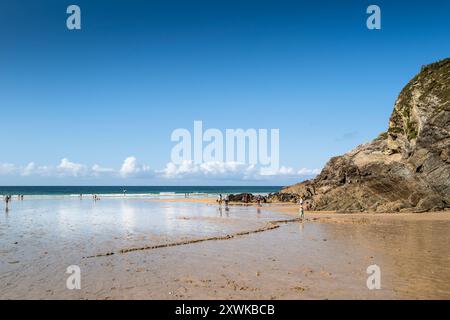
137, 70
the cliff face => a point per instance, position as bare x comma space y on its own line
406, 168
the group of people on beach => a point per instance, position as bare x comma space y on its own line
94, 197
221, 199
8, 198
246, 199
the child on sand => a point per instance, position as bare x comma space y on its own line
301, 210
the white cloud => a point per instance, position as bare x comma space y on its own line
32, 169
71, 169
29, 169
281, 171
228, 170
131, 168
98, 170
7, 168
224, 168
65, 168
306, 171
215, 169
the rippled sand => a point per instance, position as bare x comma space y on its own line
324, 257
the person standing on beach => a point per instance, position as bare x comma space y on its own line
7, 199
245, 199
301, 210
227, 199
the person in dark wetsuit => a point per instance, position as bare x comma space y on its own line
7, 200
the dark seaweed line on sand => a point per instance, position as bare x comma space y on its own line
269, 226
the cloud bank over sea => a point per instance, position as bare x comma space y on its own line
133, 169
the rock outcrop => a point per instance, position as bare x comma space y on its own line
246, 198
406, 168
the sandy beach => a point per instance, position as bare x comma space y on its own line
191, 249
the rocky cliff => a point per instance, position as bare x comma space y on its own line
407, 168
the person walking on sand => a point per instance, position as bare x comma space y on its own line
7, 199
227, 199
245, 199
258, 200
301, 209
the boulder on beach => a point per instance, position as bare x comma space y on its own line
241, 197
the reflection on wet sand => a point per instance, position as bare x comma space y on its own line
325, 256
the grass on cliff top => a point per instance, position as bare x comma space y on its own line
434, 79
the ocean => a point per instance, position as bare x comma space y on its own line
136, 191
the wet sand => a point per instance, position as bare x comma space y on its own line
188, 249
